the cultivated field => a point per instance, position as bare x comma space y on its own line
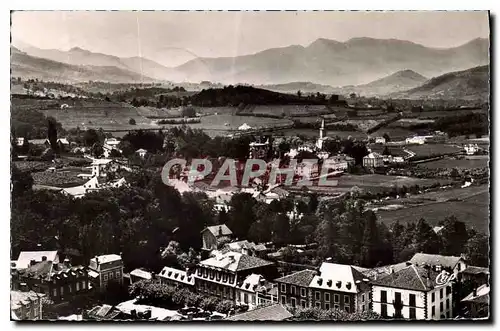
463, 163
471, 206
377, 183
289, 110
312, 133
433, 149
395, 133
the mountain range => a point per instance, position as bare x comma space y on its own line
473, 83
362, 65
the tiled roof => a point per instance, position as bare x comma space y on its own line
338, 277
107, 258
473, 270
25, 258
299, 278
410, 278
47, 269
18, 298
275, 312
177, 275
219, 230
234, 261
434, 259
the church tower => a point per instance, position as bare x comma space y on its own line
319, 143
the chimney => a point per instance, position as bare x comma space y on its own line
44, 258
32, 262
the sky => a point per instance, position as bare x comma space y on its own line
172, 38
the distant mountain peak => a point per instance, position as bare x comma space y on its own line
78, 49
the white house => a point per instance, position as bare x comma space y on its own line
373, 160
416, 140
105, 269
379, 140
142, 152
414, 292
471, 149
244, 127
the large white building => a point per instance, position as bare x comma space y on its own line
414, 292
105, 269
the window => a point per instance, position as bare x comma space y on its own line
327, 297
253, 299
77, 286
318, 304
199, 272
292, 289
302, 292
317, 295
293, 301
54, 293
69, 287
231, 279
336, 298
117, 274
433, 297
448, 290
383, 310
413, 313
231, 293
412, 300
346, 299
433, 311
363, 297
459, 266
245, 298
362, 308
62, 290
441, 306
327, 306
224, 278
106, 277
211, 274
441, 293
283, 299
84, 285
447, 304
347, 308
283, 288
383, 296
303, 303
111, 275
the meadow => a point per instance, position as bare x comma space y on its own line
462, 163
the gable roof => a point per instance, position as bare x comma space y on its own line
299, 278
107, 258
24, 259
177, 275
338, 277
473, 270
434, 259
219, 230
234, 261
274, 312
410, 278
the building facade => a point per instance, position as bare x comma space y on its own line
373, 160
414, 293
26, 305
105, 269
212, 236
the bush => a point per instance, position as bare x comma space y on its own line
131, 121
209, 303
225, 306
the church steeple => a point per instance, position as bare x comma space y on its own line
322, 129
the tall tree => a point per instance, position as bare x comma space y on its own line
477, 250
426, 239
52, 134
454, 236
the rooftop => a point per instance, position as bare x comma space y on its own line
107, 258
410, 278
299, 278
473, 270
177, 275
219, 230
18, 298
274, 312
141, 273
340, 277
234, 261
434, 259
24, 259
482, 295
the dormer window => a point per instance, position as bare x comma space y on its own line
199, 272
163, 271
224, 278
348, 285
329, 283
339, 284
176, 275
320, 281
169, 273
